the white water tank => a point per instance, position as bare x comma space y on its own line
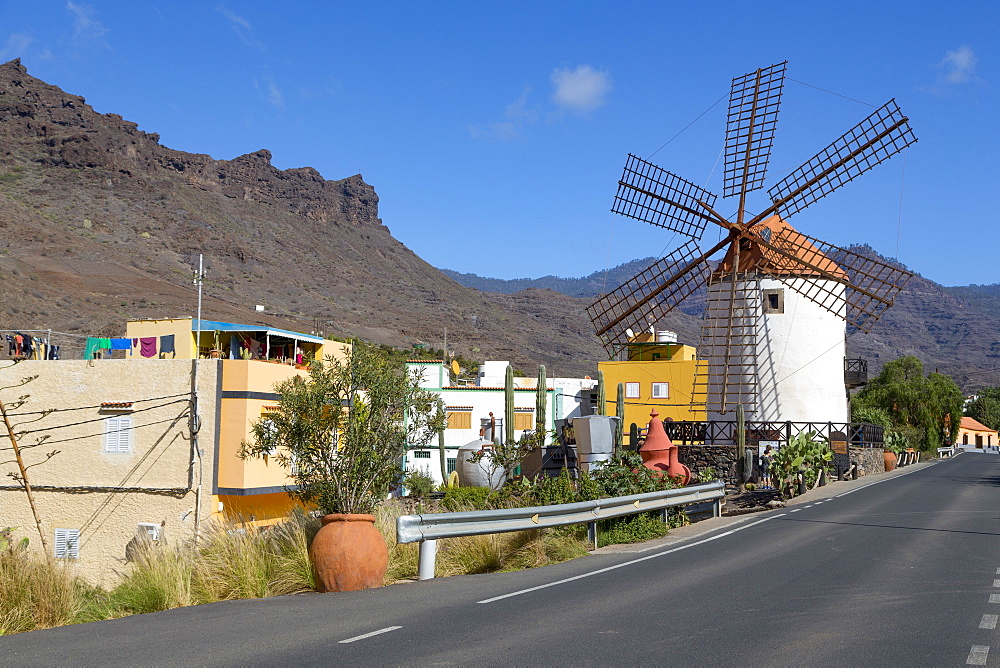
477, 474
666, 336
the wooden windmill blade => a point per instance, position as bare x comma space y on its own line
882, 135
754, 100
655, 196
871, 285
649, 295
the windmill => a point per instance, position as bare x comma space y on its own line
778, 302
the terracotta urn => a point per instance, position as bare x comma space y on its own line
348, 553
890, 460
660, 454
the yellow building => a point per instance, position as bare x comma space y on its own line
657, 374
125, 432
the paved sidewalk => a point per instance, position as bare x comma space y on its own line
712, 524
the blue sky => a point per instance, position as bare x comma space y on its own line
495, 132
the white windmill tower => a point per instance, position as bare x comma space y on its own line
778, 302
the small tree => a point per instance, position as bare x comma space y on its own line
13, 433
917, 404
986, 407
342, 431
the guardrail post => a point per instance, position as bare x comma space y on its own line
428, 557
592, 533
717, 508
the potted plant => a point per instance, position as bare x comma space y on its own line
341, 433
894, 443
216, 351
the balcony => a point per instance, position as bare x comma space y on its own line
855, 372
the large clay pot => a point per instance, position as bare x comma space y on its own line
890, 460
660, 454
348, 553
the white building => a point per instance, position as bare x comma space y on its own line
469, 407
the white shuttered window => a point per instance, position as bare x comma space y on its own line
67, 544
118, 433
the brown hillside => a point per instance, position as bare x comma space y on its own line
101, 223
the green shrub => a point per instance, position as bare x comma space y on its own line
466, 498
631, 528
419, 482
625, 475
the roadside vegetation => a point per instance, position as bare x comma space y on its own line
234, 561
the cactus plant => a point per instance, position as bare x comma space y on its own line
540, 404
743, 470
508, 413
601, 396
620, 412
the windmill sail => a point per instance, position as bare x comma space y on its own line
647, 296
874, 140
754, 100
655, 196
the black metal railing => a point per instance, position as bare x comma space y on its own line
857, 434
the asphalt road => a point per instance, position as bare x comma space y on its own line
901, 569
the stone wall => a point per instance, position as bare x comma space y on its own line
869, 460
698, 457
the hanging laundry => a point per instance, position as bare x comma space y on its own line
121, 344
93, 346
105, 343
167, 344
52, 353
10, 345
135, 343
26, 347
147, 346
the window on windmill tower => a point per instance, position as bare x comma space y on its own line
774, 300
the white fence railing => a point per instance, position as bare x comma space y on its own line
426, 529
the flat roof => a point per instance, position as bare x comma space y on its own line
210, 325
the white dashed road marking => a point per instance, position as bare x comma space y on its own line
994, 598
795, 511
977, 657
373, 633
996, 583
989, 622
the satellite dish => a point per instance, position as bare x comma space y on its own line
455, 368
629, 333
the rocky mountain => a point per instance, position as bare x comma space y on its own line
101, 223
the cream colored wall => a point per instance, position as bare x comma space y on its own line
179, 327
159, 458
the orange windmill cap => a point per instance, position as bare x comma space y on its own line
656, 437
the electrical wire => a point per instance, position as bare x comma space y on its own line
833, 93
689, 125
97, 419
80, 408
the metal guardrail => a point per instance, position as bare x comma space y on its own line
427, 529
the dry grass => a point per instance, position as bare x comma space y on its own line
489, 553
34, 594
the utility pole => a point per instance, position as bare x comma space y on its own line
199, 279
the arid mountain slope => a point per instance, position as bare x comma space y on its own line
101, 223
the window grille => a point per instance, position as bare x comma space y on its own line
422, 454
